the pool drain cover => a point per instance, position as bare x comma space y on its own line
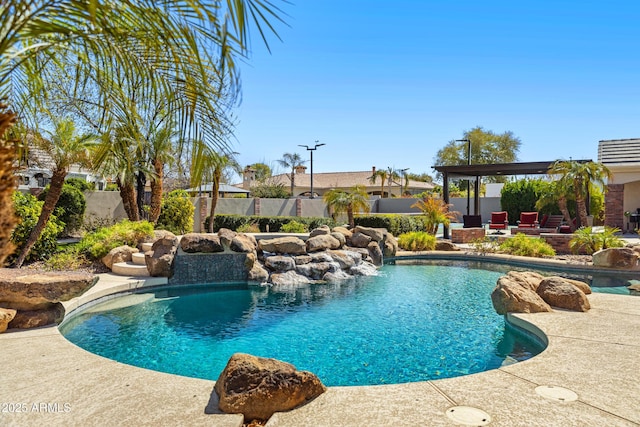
468, 416
559, 394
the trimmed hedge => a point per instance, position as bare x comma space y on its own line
396, 224
271, 223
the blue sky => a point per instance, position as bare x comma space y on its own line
388, 84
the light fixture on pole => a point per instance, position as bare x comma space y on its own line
311, 150
468, 141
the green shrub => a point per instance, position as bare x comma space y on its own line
523, 245
521, 196
80, 184
70, 207
396, 224
248, 228
28, 210
96, 245
265, 223
270, 191
67, 259
485, 245
585, 240
294, 227
417, 241
177, 213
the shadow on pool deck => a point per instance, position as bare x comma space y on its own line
48, 380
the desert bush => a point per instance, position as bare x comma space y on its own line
294, 227
522, 245
250, 227
177, 213
485, 245
584, 239
28, 209
417, 241
98, 244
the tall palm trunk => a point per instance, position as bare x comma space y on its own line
127, 193
7, 185
293, 181
562, 204
156, 191
215, 187
581, 204
141, 183
350, 216
50, 201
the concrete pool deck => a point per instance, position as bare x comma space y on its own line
46, 380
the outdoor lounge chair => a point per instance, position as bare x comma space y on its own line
471, 221
499, 221
528, 220
552, 221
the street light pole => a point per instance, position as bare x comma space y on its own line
468, 141
311, 150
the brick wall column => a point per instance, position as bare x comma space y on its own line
613, 206
298, 207
256, 206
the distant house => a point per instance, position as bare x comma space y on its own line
325, 181
622, 157
225, 190
35, 172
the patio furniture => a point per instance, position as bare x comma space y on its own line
499, 221
471, 221
551, 221
528, 220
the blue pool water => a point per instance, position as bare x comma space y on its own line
410, 323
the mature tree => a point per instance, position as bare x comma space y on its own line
291, 160
7, 183
487, 147
65, 148
349, 202
263, 171
582, 175
160, 154
175, 47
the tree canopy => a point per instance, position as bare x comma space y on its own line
487, 147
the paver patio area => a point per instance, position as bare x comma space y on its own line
46, 380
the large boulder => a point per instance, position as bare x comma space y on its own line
584, 287
624, 258
527, 279
119, 254
322, 242
559, 293
159, 259
6, 316
280, 263
243, 243
258, 274
315, 270
201, 242
226, 236
376, 234
510, 296
258, 387
345, 259
344, 231
375, 253
24, 289
283, 245
26, 319
339, 237
320, 231
359, 240
390, 246
289, 278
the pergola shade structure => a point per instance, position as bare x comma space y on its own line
478, 171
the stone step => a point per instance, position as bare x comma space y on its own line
146, 247
138, 258
129, 269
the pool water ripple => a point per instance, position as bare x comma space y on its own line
410, 323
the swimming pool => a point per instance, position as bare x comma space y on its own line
410, 323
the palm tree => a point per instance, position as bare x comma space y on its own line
435, 212
161, 150
65, 148
583, 175
382, 174
293, 161
349, 202
182, 49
